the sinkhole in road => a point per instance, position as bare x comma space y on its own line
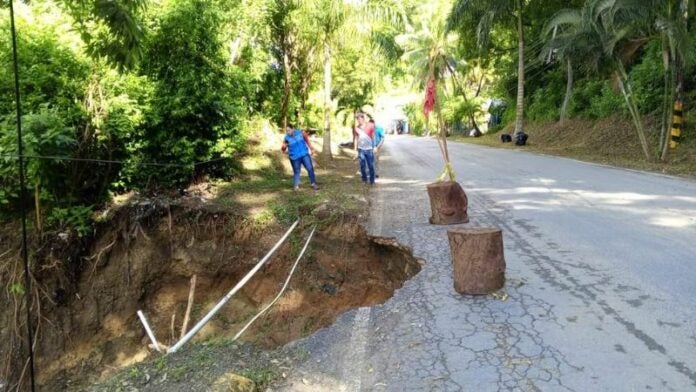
144, 260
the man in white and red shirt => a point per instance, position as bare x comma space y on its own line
364, 143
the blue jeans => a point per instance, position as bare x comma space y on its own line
297, 164
367, 165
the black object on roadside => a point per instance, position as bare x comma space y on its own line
505, 138
521, 138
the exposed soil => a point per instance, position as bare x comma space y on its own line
611, 140
143, 258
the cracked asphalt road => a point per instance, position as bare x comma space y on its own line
601, 278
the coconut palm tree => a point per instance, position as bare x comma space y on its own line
342, 20
429, 53
604, 31
671, 22
485, 15
572, 45
612, 31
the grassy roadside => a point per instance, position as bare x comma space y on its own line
265, 192
611, 141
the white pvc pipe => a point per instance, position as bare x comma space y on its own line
148, 330
282, 290
232, 292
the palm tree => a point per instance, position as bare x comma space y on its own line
429, 54
485, 15
611, 32
671, 21
338, 20
603, 32
329, 17
569, 44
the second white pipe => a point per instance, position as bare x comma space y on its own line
282, 290
232, 292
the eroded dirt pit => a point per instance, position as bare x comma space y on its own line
145, 260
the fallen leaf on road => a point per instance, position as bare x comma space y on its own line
501, 295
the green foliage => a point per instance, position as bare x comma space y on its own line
16, 289
197, 103
545, 104
76, 218
414, 113
260, 376
646, 77
110, 29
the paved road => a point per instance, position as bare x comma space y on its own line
601, 280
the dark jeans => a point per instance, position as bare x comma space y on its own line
297, 164
367, 165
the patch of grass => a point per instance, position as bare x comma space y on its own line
160, 363
204, 356
260, 376
177, 373
135, 373
267, 197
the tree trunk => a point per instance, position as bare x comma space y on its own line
286, 90
37, 205
677, 91
676, 114
448, 203
519, 117
477, 260
568, 94
303, 99
327, 101
664, 129
472, 118
480, 84
669, 92
627, 92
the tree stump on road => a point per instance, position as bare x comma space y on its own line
448, 203
477, 259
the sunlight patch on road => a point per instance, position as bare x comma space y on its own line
678, 222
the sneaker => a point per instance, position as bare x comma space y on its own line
297, 188
315, 187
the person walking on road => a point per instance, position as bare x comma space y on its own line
296, 144
364, 144
379, 143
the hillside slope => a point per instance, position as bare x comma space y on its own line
611, 141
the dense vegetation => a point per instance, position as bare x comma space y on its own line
134, 95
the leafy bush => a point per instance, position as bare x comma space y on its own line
76, 218
416, 119
646, 79
545, 104
197, 103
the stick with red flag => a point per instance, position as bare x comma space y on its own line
428, 106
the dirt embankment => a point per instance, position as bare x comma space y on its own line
611, 141
143, 258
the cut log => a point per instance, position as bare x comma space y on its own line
477, 260
448, 203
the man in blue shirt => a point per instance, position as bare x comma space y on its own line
379, 142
